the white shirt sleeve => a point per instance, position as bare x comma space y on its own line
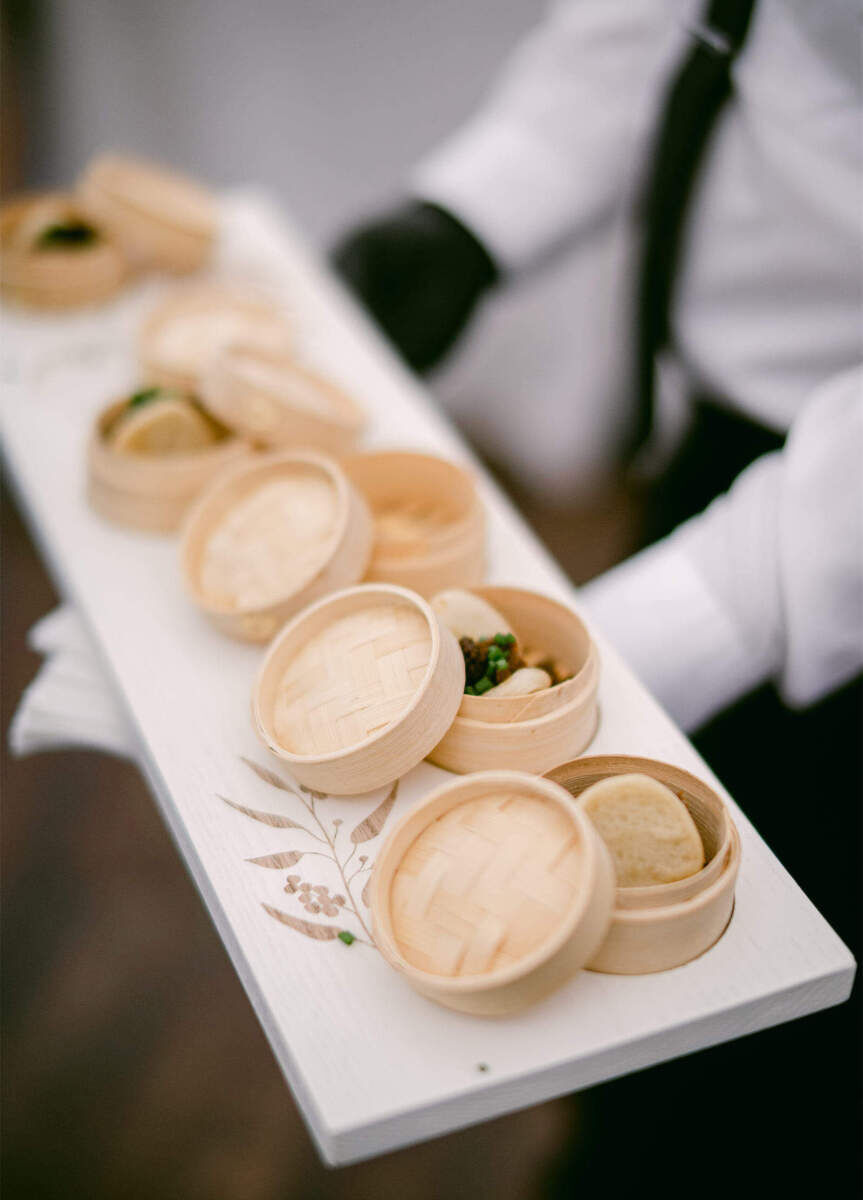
561, 139
767, 583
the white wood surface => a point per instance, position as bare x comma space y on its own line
373, 1065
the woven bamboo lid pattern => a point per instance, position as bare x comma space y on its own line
273, 535
39, 268
182, 336
357, 689
269, 397
491, 892
484, 884
161, 218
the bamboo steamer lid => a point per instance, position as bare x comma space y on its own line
665, 925
357, 689
150, 492
161, 218
270, 537
269, 397
429, 520
535, 732
183, 335
492, 892
58, 275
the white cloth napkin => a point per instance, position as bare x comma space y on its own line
71, 703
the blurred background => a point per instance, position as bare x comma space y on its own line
133, 1065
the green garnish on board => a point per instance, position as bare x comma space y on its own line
347, 937
67, 235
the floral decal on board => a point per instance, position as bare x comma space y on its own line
316, 899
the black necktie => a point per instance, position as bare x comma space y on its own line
693, 103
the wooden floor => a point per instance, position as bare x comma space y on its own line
133, 1065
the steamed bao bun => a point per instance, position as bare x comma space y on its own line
649, 832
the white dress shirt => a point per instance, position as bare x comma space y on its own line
766, 584
767, 314
768, 304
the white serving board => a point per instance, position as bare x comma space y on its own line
373, 1065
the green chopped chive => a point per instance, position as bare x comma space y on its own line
470, 690
145, 396
504, 639
483, 685
347, 937
70, 233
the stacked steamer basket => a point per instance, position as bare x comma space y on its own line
67, 250
492, 892
497, 888
227, 351
268, 396
54, 255
530, 733
162, 220
358, 688
661, 926
184, 335
538, 731
270, 537
429, 520
153, 490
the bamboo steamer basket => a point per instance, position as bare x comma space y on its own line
55, 277
146, 491
356, 690
267, 396
160, 218
183, 335
665, 925
492, 892
313, 528
429, 520
529, 733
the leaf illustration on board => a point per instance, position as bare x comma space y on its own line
275, 820
312, 929
329, 832
268, 776
287, 858
374, 822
